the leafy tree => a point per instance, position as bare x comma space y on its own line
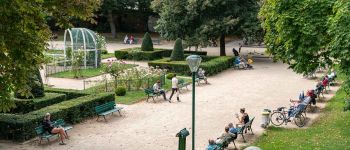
178, 52
147, 44
23, 36
114, 9
34, 86
307, 34
199, 21
296, 32
339, 46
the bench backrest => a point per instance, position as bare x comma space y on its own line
247, 125
149, 91
59, 122
40, 130
104, 107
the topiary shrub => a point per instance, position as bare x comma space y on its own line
147, 44
170, 76
120, 91
178, 52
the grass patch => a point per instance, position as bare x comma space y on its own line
86, 73
108, 55
330, 131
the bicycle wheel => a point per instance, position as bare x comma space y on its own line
300, 120
277, 118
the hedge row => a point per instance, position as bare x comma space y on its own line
211, 65
28, 105
137, 54
21, 127
70, 94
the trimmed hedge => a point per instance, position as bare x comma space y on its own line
178, 53
21, 127
149, 55
69, 93
211, 65
147, 44
28, 105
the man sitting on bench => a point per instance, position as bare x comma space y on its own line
157, 89
48, 126
201, 75
226, 135
212, 145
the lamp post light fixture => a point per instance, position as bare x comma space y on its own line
193, 62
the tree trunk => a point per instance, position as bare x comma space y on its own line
111, 23
222, 45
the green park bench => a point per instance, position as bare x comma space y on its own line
107, 108
182, 84
245, 128
40, 131
150, 93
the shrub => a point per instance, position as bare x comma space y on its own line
147, 44
21, 127
121, 54
28, 105
170, 76
104, 52
70, 94
211, 65
178, 52
120, 91
36, 86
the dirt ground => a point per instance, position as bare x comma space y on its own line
153, 126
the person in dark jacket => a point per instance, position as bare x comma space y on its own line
48, 126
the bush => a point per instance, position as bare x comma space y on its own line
121, 54
28, 105
147, 44
35, 83
170, 76
120, 91
178, 52
70, 94
211, 65
21, 127
104, 52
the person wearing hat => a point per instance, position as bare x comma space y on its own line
157, 89
48, 126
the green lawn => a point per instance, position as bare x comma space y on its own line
86, 73
329, 132
108, 55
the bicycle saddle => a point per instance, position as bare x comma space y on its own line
280, 108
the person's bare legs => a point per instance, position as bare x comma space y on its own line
61, 132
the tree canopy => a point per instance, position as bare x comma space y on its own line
199, 21
307, 34
23, 36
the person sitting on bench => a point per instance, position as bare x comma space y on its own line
48, 126
212, 145
201, 75
126, 39
243, 118
157, 89
232, 129
225, 135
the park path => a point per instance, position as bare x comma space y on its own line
151, 126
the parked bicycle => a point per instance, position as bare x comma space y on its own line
280, 116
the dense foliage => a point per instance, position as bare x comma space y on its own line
23, 36
178, 51
120, 91
34, 86
147, 44
308, 34
211, 65
199, 21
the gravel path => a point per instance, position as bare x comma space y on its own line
152, 126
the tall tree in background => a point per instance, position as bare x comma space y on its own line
23, 36
199, 21
115, 9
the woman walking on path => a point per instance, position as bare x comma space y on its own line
174, 88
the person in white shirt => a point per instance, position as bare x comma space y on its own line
157, 89
126, 39
174, 88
